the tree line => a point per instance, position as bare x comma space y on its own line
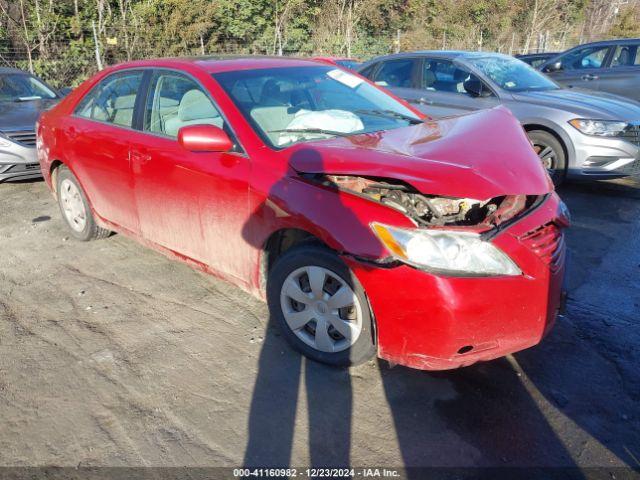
65, 40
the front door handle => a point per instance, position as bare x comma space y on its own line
421, 101
139, 157
589, 76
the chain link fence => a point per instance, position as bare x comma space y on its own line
67, 63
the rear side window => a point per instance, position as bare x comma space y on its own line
626, 56
113, 99
396, 73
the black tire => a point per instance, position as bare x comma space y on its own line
305, 255
556, 160
91, 230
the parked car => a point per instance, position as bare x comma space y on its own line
611, 66
312, 186
350, 63
22, 98
536, 59
576, 133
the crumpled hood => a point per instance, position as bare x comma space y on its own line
585, 103
22, 115
480, 155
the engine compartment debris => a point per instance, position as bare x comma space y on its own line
430, 210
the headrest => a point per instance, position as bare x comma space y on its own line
459, 75
196, 106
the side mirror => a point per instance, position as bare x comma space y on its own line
553, 67
475, 88
204, 138
64, 91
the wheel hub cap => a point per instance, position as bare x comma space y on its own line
72, 205
321, 309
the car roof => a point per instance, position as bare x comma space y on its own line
4, 70
223, 63
620, 41
444, 54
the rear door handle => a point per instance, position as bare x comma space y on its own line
589, 76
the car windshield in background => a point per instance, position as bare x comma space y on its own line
512, 74
18, 87
294, 104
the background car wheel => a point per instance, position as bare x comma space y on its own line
551, 154
320, 306
75, 208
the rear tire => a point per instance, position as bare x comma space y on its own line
75, 208
330, 322
551, 154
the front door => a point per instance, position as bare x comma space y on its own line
193, 203
99, 136
582, 67
442, 90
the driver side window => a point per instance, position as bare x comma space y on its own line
444, 76
175, 102
584, 58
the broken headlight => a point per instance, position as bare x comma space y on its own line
445, 251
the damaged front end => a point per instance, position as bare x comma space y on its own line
431, 210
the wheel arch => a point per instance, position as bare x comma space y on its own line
53, 175
278, 243
529, 127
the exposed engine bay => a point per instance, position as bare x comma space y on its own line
432, 210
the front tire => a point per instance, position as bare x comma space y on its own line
75, 208
320, 306
551, 154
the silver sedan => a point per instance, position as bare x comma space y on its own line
576, 133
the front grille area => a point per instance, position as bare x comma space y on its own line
631, 134
547, 242
24, 137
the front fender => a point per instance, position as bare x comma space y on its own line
338, 218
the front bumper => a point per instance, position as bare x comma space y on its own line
603, 157
18, 162
434, 322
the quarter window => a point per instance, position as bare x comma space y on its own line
175, 102
113, 100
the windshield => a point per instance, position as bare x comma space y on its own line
512, 74
296, 104
18, 87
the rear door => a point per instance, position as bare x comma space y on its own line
99, 135
582, 67
622, 76
193, 203
442, 89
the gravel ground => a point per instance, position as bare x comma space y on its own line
111, 354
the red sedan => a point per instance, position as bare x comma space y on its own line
367, 227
